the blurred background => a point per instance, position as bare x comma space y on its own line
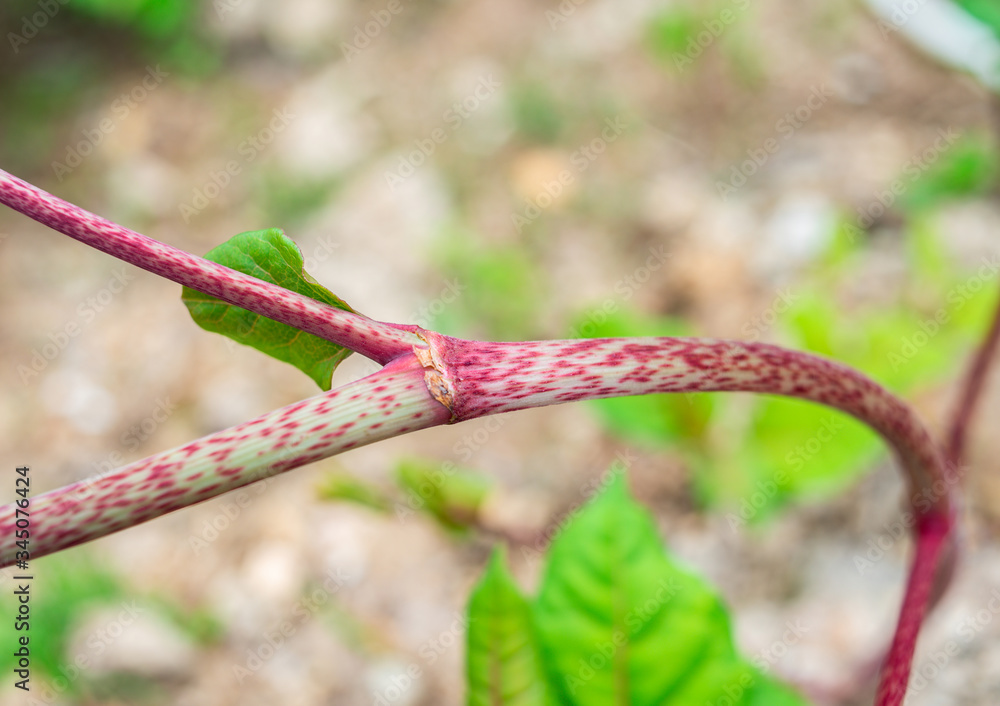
798, 173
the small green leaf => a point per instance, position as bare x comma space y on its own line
271, 256
449, 494
343, 486
621, 624
502, 665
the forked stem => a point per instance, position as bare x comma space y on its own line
378, 341
430, 379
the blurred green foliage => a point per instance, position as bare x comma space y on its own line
291, 200
62, 66
340, 485
754, 454
671, 31
65, 588
986, 11
679, 34
164, 30
500, 288
450, 495
153, 18
446, 493
616, 621
968, 168
537, 116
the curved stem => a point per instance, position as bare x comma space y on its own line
975, 380
489, 378
432, 379
379, 341
387, 403
925, 586
934, 557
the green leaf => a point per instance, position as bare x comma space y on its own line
343, 486
503, 666
447, 493
622, 624
271, 256
985, 11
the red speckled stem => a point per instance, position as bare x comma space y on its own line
379, 341
432, 379
934, 558
488, 378
925, 586
387, 403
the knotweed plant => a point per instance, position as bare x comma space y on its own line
253, 289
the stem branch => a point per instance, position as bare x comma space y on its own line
390, 402
379, 341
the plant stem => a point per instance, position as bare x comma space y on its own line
488, 378
432, 379
379, 341
387, 403
935, 557
972, 388
925, 586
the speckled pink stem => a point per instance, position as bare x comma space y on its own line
926, 585
387, 403
488, 378
434, 379
379, 341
